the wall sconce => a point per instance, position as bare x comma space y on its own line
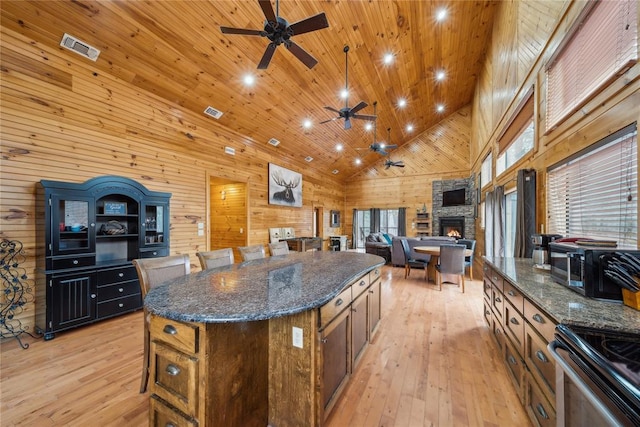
223, 195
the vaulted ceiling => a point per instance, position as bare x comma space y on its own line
175, 49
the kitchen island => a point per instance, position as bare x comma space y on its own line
270, 341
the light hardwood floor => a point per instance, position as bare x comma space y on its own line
431, 363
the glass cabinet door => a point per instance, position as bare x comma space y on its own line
154, 224
73, 229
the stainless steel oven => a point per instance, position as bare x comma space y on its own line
597, 377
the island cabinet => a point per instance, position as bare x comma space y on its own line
87, 234
283, 371
522, 331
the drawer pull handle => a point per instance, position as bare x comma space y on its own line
170, 329
339, 302
324, 340
75, 262
173, 370
541, 356
377, 272
155, 253
487, 312
498, 299
538, 318
362, 283
541, 411
371, 291
120, 290
120, 274
514, 321
511, 293
354, 309
121, 305
93, 296
513, 360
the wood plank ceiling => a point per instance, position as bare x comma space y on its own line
175, 49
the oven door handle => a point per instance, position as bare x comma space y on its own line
579, 382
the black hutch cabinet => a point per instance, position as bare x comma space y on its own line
87, 235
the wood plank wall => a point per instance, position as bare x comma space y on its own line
62, 121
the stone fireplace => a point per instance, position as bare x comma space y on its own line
452, 226
464, 216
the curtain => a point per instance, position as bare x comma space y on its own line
525, 213
374, 220
402, 221
354, 229
494, 222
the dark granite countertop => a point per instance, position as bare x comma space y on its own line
260, 289
562, 304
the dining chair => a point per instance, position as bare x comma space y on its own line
468, 260
410, 261
152, 272
451, 262
249, 253
279, 248
215, 258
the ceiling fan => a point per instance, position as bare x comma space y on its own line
347, 113
378, 147
388, 163
279, 31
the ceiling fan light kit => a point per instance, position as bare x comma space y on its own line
279, 31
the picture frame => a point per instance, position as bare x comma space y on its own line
285, 187
334, 219
115, 208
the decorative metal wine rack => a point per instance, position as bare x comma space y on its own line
16, 291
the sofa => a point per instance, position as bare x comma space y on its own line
397, 253
377, 244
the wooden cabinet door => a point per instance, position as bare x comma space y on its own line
336, 363
359, 327
375, 308
73, 300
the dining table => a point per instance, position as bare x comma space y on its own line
434, 251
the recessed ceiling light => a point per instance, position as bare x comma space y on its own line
306, 123
388, 58
368, 126
358, 161
335, 171
308, 159
440, 75
249, 79
441, 14
344, 93
274, 142
409, 128
339, 147
402, 102
440, 108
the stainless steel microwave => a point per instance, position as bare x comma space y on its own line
581, 269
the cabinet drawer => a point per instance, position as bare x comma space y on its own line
335, 306
487, 287
161, 415
119, 305
514, 296
487, 312
514, 326
72, 262
498, 333
497, 302
182, 336
494, 277
153, 253
538, 407
118, 290
174, 378
540, 362
375, 274
118, 274
359, 286
516, 369
540, 321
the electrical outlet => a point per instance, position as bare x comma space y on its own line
200, 232
297, 337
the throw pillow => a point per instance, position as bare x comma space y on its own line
387, 238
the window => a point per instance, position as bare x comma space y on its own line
594, 193
363, 226
389, 221
520, 146
510, 208
603, 44
516, 139
485, 171
388, 224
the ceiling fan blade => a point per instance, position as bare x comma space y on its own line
387, 165
363, 117
267, 9
391, 146
242, 31
357, 108
347, 124
330, 120
301, 54
333, 109
313, 23
266, 58
400, 165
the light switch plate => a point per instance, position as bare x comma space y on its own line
297, 337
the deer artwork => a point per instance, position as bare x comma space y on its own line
285, 195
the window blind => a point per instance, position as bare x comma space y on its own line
594, 194
603, 45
